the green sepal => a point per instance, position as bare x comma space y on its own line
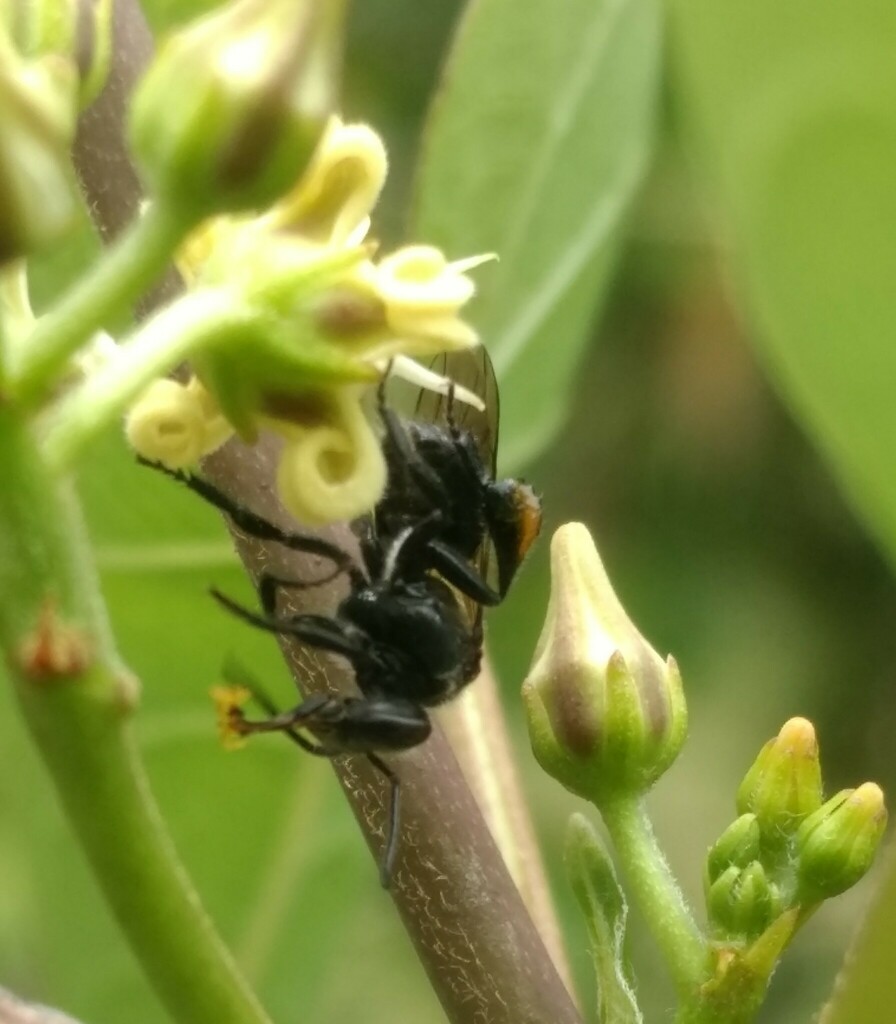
253, 378
600, 896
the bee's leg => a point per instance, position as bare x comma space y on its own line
463, 451
269, 586
370, 725
460, 573
404, 456
354, 725
253, 524
390, 846
321, 631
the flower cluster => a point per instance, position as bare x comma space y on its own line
324, 318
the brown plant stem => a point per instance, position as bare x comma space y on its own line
470, 925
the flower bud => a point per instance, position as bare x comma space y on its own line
38, 200
783, 786
836, 845
75, 34
606, 714
231, 110
738, 845
742, 902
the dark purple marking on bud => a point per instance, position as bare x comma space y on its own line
570, 706
650, 676
249, 149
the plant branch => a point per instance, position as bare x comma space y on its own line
185, 327
476, 728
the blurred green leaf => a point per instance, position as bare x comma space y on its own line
533, 150
795, 107
865, 993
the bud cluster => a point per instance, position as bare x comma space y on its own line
789, 850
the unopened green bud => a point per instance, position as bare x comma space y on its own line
738, 845
231, 110
38, 200
76, 34
783, 786
836, 845
742, 902
606, 713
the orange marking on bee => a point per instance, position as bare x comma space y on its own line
528, 507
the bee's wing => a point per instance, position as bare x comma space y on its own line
472, 369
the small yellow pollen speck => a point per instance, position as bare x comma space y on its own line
228, 703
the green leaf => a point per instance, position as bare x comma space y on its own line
867, 984
794, 110
602, 901
533, 151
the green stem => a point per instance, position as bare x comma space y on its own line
120, 277
188, 326
75, 697
656, 892
698, 1013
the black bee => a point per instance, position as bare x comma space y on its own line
411, 624
442, 467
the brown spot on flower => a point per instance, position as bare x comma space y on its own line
305, 409
346, 314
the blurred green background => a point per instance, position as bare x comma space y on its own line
725, 440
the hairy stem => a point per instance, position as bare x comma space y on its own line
656, 892
75, 696
119, 279
188, 326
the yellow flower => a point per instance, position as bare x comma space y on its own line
328, 321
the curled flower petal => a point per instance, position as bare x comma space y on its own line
175, 424
331, 202
332, 472
423, 294
418, 278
